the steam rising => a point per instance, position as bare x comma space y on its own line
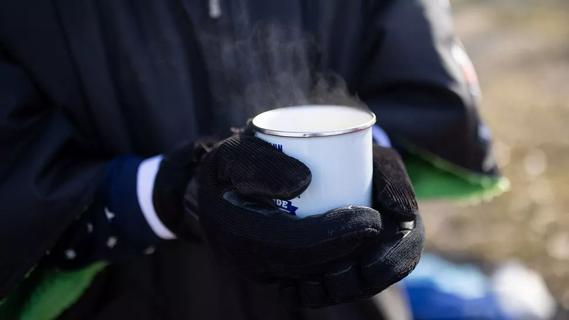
254, 68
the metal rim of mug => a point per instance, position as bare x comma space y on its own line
297, 134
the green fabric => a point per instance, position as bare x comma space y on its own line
45, 294
434, 178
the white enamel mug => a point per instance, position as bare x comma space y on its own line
335, 142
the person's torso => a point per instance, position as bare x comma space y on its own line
140, 76
137, 77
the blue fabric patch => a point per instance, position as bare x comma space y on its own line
439, 289
113, 228
122, 202
286, 205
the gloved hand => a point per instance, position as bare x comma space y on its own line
139, 204
334, 257
173, 177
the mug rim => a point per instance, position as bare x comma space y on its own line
304, 134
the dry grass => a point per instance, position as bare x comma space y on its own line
521, 51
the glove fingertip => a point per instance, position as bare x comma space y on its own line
262, 170
388, 263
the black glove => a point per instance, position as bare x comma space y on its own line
389, 258
173, 178
334, 257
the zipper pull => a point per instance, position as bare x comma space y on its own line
214, 9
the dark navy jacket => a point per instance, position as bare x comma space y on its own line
84, 81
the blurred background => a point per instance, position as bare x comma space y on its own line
520, 49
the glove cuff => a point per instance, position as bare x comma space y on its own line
146, 176
122, 206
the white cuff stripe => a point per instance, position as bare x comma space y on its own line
146, 175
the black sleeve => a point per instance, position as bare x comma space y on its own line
46, 178
422, 86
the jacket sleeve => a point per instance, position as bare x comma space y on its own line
423, 88
46, 178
